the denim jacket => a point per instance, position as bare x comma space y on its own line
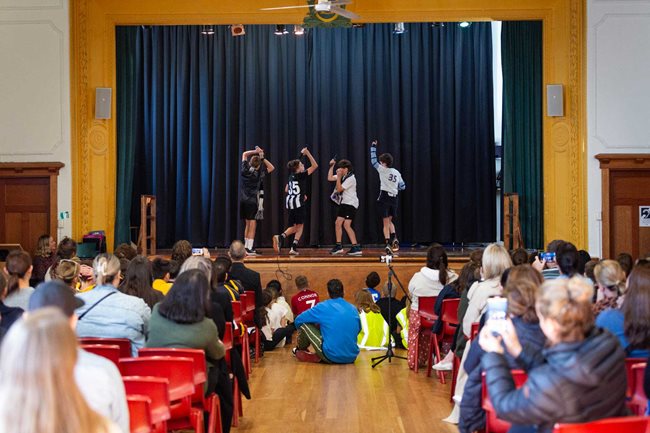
117, 316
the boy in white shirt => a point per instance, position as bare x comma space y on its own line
345, 195
391, 183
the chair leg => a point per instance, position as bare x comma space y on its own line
196, 419
246, 354
258, 342
441, 374
214, 409
433, 341
454, 377
236, 403
417, 352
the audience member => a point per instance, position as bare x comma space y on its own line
630, 323
395, 307
610, 281
519, 256
67, 271
521, 291
8, 315
108, 312
18, 269
231, 284
138, 281
98, 379
125, 251
374, 329
39, 393
275, 330
279, 298
627, 263
160, 268
44, 257
305, 298
568, 260
549, 268
174, 269
372, 281
249, 278
181, 251
330, 328
476, 256
579, 377
583, 259
66, 250
220, 270
428, 282
402, 328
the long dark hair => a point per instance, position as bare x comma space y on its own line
187, 300
470, 273
437, 259
138, 279
636, 308
265, 300
17, 265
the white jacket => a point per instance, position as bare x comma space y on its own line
478, 295
427, 283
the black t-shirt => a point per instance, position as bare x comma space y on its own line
251, 182
296, 190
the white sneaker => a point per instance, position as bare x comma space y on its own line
444, 366
454, 416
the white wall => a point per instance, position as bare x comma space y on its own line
35, 88
618, 91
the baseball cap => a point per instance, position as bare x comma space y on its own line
54, 293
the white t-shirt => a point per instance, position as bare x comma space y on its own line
390, 180
349, 194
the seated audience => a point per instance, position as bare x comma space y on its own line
610, 281
330, 328
579, 377
44, 257
108, 312
70, 272
232, 288
8, 315
18, 269
395, 307
549, 268
125, 251
98, 379
249, 278
372, 281
428, 282
402, 328
161, 275
519, 256
66, 250
374, 329
138, 280
305, 298
521, 292
583, 259
181, 251
627, 263
630, 323
276, 331
279, 298
39, 393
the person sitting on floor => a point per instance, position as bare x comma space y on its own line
395, 307
305, 298
372, 281
280, 300
402, 329
374, 329
336, 339
276, 331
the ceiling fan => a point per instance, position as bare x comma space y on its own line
332, 7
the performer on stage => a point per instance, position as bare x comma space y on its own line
296, 201
251, 200
391, 183
345, 195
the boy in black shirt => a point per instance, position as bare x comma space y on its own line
253, 169
296, 201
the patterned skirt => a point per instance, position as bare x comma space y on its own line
423, 346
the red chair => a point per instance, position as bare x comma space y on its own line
427, 319
628, 424
638, 401
199, 400
248, 301
474, 331
492, 423
157, 389
241, 336
449, 319
139, 413
108, 351
180, 374
629, 362
124, 343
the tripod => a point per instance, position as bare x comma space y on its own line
389, 348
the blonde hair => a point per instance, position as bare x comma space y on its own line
66, 270
364, 302
105, 268
496, 259
43, 247
610, 274
568, 302
39, 393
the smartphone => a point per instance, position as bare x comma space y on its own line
549, 257
497, 313
197, 251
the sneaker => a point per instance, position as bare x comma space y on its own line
355, 251
306, 356
395, 245
388, 250
293, 351
444, 366
251, 253
277, 243
294, 251
338, 249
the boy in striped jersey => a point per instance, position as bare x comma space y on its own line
391, 184
296, 201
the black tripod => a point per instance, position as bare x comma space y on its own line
389, 349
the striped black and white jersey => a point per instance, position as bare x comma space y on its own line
296, 190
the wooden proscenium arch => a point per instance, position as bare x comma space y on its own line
93, 65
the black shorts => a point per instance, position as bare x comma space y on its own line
347, 211
297, 216
386, 205
247, 210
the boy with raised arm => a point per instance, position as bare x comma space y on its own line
251, 199
345, 195
296, 201
391, 183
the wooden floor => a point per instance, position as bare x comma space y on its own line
290, 396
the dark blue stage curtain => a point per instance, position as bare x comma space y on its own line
426, 95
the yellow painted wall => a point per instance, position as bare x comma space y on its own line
93, 65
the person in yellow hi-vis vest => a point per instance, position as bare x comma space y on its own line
403, 328
374, 329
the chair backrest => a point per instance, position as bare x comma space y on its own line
108, 351
474, 331
178, 371
156, 388
237, 309
426, 304
228, 337
252, 301
449, 316
638, 400
492, 423
628, 424
124, 343
139, 413
629, 362
200, 371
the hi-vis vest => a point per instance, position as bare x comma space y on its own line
403, 320
374, 331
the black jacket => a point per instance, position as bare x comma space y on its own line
568, 383
9, 315
251, 281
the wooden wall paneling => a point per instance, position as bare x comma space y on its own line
622, 235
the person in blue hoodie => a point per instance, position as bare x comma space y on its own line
330, 328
